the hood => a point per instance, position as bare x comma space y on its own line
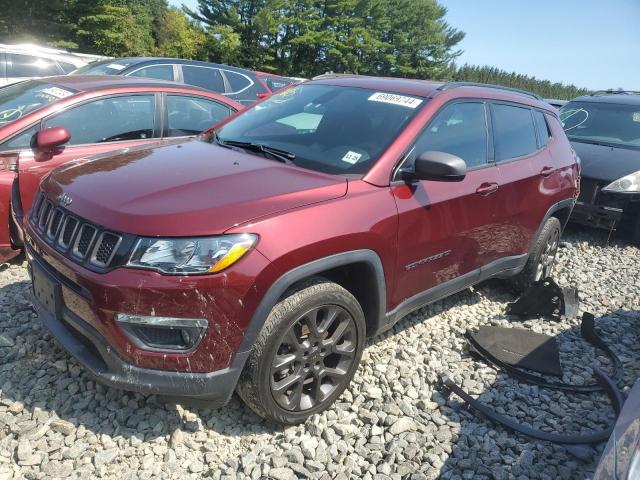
185, 189
606, 163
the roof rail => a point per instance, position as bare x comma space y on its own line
614, 92
333, 75
450, 85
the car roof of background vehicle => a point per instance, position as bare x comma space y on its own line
49, 53
429, 89
138, 61
86, 83
611, 96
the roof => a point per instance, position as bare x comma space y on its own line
624, 98
136, 61
98, 82
429, 89
50, 53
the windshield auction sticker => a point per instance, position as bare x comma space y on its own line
392, 98
56, 92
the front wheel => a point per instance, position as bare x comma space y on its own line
542, 257
306, 353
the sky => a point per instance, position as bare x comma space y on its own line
589, 43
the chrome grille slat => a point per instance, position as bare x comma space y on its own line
80, 241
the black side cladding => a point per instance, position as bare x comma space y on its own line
588, 332
545, 298
606, 384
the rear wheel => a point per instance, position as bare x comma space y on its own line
306, 353
542, 257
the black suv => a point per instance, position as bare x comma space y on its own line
604, 129
242, 85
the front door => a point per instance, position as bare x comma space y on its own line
98, 126
446, 230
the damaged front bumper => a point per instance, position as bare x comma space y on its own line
90, 348
601, 209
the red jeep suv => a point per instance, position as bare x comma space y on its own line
259, 257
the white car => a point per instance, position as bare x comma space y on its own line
22, 62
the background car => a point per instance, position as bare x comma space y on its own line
604, 129
554, 102
22, 62
47, 122
239, 84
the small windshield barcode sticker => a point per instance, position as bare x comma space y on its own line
351, 157
409, 102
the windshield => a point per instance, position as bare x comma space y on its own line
602, 123
105, 67
332, 129
21, 98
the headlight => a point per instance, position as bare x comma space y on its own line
182, 256
628, 184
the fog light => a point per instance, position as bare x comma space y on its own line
162, 333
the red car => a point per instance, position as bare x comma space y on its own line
260, 257
46, 122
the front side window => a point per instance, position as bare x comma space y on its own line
30, 66
114, 119
25, 97
608, 124
204, 77
20, 141
514, 133
459, 129
192, 115
161, 72
328, 128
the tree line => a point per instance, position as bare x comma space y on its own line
400, 38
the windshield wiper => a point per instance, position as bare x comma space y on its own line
277, 153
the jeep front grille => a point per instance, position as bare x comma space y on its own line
77, 239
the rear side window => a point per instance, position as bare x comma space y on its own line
161, 72
29, 66
459, 129
192, 115
542, 128
237, 82
204, 77
114, 119
514, 132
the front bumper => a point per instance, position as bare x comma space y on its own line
601, 209
94, 353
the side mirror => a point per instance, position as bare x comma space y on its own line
437, 166
49, 139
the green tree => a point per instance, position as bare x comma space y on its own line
177, 37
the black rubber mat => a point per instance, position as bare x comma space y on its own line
520, 348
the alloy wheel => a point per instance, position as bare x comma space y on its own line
314, 358
548, 256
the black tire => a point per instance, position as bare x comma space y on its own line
289, 348
542, 257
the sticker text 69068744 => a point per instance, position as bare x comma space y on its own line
392, 98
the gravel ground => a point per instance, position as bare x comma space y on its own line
392, 422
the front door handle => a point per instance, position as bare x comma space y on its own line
487, 189
546, 172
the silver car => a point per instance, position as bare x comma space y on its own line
22, 62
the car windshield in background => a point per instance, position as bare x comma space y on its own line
332, 129
277, 83
105, 67
602, 123
22, 98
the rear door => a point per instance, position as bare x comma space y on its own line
163, 71
525, 166
208, 78
446, 230
96, 126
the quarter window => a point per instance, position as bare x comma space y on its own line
191, 115
113, 119
514, 132
161, 72
459, 129
237, 82
30, 66
543, 128
209, 78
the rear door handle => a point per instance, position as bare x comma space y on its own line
487, 189
546, 171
